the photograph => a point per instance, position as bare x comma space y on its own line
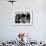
23, 18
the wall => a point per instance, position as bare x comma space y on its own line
9, 31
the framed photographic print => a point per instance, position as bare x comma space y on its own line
23, 18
